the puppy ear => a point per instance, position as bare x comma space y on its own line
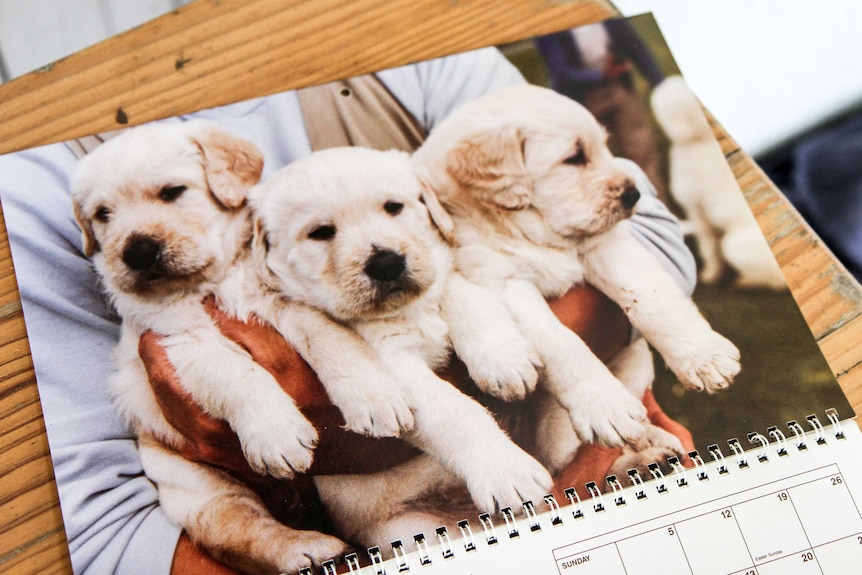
259, 251
90, 244
490, 165
439, 215
232, 164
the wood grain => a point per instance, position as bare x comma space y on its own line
214, 52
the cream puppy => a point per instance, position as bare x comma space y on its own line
703, 184
351, 231
539, 205
164, 218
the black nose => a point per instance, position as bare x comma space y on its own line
141, 252
630, 197
385, 266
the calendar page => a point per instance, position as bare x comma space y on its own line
789, 509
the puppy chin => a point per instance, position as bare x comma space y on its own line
371, 300
585, 229
159, 282
387, 298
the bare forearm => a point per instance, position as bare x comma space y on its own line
190, 559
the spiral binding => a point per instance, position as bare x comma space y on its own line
774, 443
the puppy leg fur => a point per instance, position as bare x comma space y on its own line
617, 264
222, 378
599, 406
372, 401
556, 442
633, 365
229, 520
466, 439
499, 359
387, 505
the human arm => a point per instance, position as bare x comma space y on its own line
112, 520
560, 55
189, 559
629, 45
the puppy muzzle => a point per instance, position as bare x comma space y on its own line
392, 283
630, 197
142, 253
385, 266
155, 267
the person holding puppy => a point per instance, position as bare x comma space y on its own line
113, 522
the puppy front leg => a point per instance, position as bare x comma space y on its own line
466, 439
223, 379
617, 264
372, 401
229, 520
499, 359
384, 506
633, 365
599, 406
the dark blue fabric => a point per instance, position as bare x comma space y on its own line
822, 177
563, 58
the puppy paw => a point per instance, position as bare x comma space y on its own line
639, 460
380, 412
508, 481
606, 414
656, 437
303, 549
501, 363
710, 367
277, 440
511, 377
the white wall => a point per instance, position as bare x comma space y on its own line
767, 69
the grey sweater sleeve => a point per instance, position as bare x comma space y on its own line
109, 508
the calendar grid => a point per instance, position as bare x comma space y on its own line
750, 547
700, 504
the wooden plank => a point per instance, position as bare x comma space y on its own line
210, 53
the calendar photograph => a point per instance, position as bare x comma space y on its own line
739, 289
331, 319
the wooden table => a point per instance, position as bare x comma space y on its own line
215, 52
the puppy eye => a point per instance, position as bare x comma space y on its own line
322, 233
171, 193
393, 208
578, 159
102, 214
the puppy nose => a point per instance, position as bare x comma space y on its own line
385, 266
141, 252
630, 197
